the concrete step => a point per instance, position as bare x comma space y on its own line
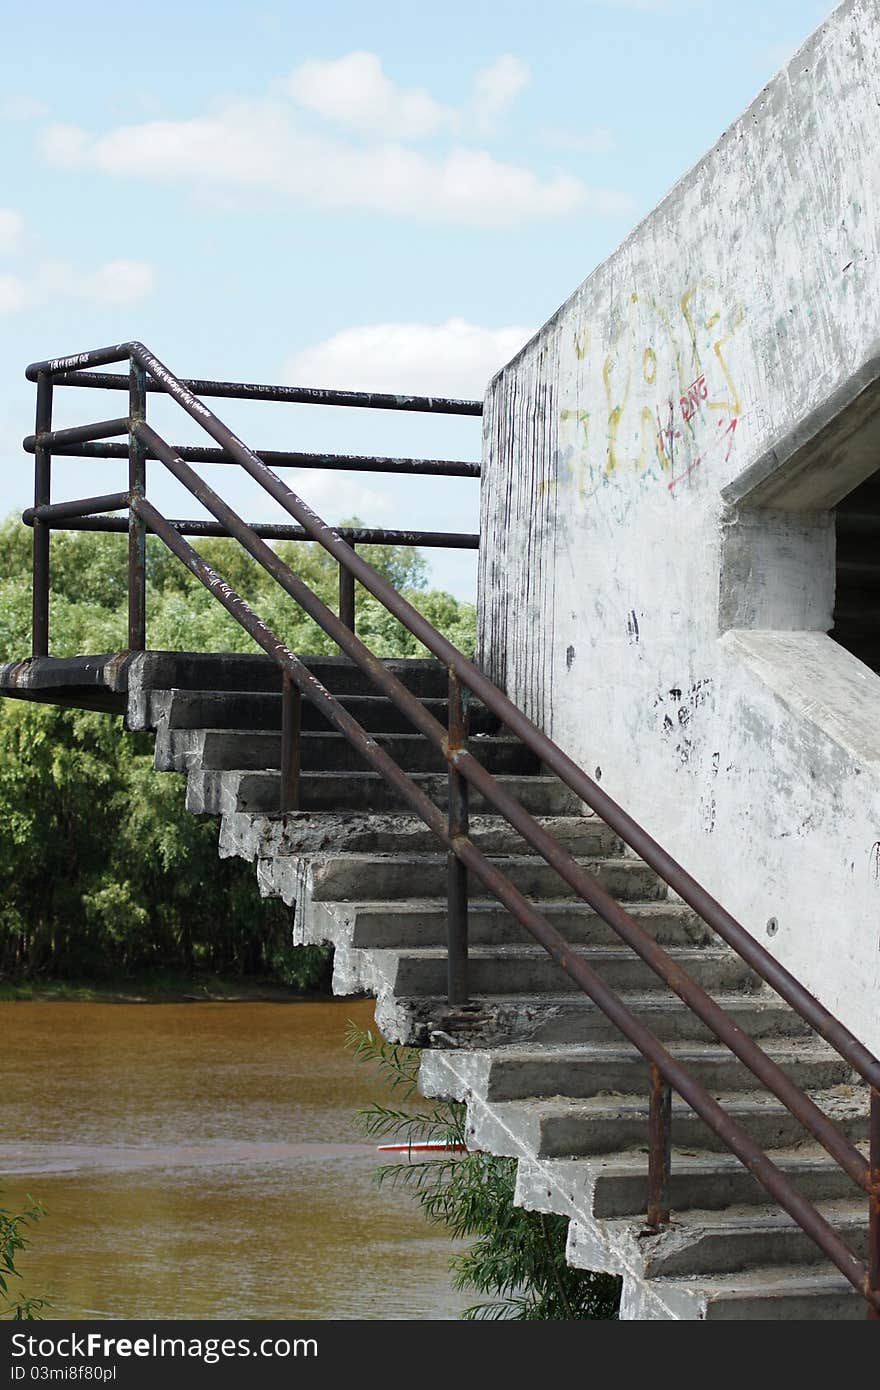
243, 709
211, 792
422, 924
795, 1293
499, 1019
235, 671
563, 1127
712, 1181
743, 1238
341, 877
316, 832
225, 750
516, 1073
530, 970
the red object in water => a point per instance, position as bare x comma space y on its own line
427, 1146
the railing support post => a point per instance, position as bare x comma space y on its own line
42, 498
137, 536
346, 596
659, 1149
291, 743
874, 1207
456, 873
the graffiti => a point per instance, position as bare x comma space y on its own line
656, 399
690, 402
679, 706
728, 434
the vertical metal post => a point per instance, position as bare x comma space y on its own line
659, 1149
291, 743
456, 873
42, 498
137, 536
346, 596
874, 1207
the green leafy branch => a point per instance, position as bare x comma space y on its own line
12, 1241
515, 1257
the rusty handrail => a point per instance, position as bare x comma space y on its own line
90, 515
693, 893
275, 458
466, 768
243, 390
734, 1135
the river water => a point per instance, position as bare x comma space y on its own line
201, 1161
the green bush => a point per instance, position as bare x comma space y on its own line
102, 869
12, 1241
516, 1257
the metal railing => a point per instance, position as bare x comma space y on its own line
147, 373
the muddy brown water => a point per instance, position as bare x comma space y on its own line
201, 1161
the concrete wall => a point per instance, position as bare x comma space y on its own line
660, 465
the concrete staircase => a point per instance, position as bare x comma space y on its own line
545, 1076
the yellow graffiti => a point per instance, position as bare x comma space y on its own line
733, 404
696, 353
581, 418
617, 396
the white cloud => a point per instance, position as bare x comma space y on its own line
258, 145
11, 228
455, 358
337, 494
115, 282
496, 87
332, 495
353, 91
15, 294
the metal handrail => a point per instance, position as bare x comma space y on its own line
242, 390
90, 515
276, 458
466, 768
547, 751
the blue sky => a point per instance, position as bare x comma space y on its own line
354, 195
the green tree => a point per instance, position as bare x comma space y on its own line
102, 869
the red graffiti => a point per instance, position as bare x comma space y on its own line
690, 402
719, 439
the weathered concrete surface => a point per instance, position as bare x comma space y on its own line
657, 558
727, 1252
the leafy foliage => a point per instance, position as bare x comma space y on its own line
12, 1241
515, 1256
102, 869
